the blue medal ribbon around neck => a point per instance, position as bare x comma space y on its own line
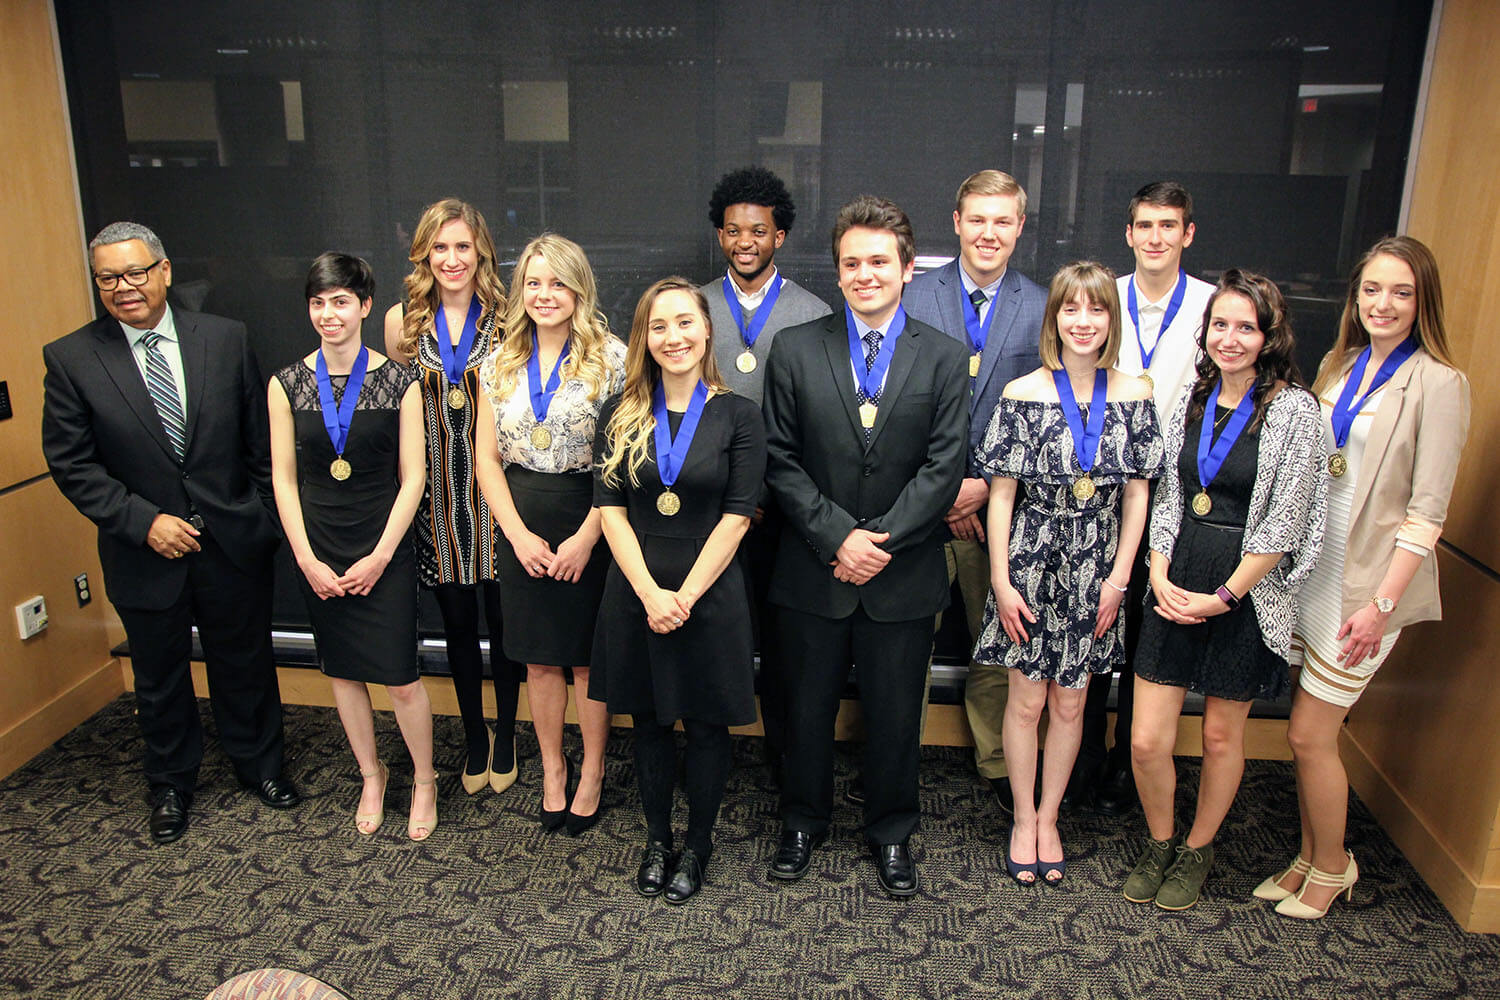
979, 332
1173, 305
1211, 453
541, 394
453, 357
671, 450
1085, 439
337, 416
1346, 408
749, 334
870, 382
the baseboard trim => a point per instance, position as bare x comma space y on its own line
58, 717
1475, 906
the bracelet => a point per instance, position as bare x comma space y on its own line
1116, 586
1227, 597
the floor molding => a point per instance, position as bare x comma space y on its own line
58, 717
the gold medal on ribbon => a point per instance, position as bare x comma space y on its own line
1202, 504
867, 413
974, 365
1337, 465
1083, 487
340, 469
541, 438
745, 362
456, 398
1150, 382
668, 503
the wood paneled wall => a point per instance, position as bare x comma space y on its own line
59, 678
1423, 745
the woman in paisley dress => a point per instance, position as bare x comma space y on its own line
346, 466
1068, 499
1236, 528
543, 389
449, 324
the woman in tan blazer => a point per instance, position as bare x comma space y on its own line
1396, 413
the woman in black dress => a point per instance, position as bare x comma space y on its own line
681, 465
347, 465
1236, 528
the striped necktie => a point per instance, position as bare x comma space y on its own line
163, 389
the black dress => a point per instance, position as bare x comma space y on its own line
372, 638
1225, 656
703, 670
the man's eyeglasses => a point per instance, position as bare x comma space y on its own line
135, 277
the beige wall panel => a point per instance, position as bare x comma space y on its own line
1455, 209
44, 265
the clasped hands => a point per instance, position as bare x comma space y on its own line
358, 580
860, 557
1184, 607
539, 560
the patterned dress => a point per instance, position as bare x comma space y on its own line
1062, 548
455, 532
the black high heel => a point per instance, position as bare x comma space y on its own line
553, 819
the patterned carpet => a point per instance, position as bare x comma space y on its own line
493, 907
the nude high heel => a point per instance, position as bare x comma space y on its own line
474, 782
421, 827
1294, 907
368, 823
1272, 890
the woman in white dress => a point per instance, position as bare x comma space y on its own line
1396, 413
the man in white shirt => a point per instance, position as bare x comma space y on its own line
1162, 308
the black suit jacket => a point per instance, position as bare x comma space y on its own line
111, 458
827, 481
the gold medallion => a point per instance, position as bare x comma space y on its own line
867, 412
541, 438
1150, 382
974, 365
340, 469
1202, 504
456, 398
668, 503
1083, 487
1337, 465
745, 362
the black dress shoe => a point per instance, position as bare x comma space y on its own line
687, 878
651, 878
895, 868
854, 792
169, 814
277, 792
576, 825
554, 819
1003, 795
794, 854
1116, 795
1081, 788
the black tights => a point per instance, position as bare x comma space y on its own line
460, 612
707, 765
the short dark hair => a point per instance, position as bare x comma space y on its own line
752, 186
1166, 194
340, 270
876, 213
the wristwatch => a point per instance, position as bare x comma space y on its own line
1383, 604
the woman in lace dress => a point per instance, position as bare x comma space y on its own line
543, 389
1235, 529
347, 468
1070, 449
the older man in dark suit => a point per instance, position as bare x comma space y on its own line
155, 428
866, 424
995, 312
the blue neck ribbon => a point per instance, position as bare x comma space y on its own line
1173, 305
672, 450
1211, 453
1346, 408
1085, 439
542, 393
337, 417
870, 382
749, 334
979, 333
455, 357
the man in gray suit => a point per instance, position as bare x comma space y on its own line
996, 313
749, 305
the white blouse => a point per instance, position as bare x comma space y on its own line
570, 418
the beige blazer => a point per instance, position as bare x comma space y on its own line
1405, 480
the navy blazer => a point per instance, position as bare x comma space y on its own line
827, 480
107, 450
938, 299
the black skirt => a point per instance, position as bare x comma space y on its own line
548, 621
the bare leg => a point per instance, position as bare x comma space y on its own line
1223, 766
593, 721
1322, 788
353, 701
1153, 735
414, 717
547, 691
1064, 734
1023, 712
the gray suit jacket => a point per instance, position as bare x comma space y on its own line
938, 299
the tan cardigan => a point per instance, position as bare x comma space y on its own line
1405, 479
